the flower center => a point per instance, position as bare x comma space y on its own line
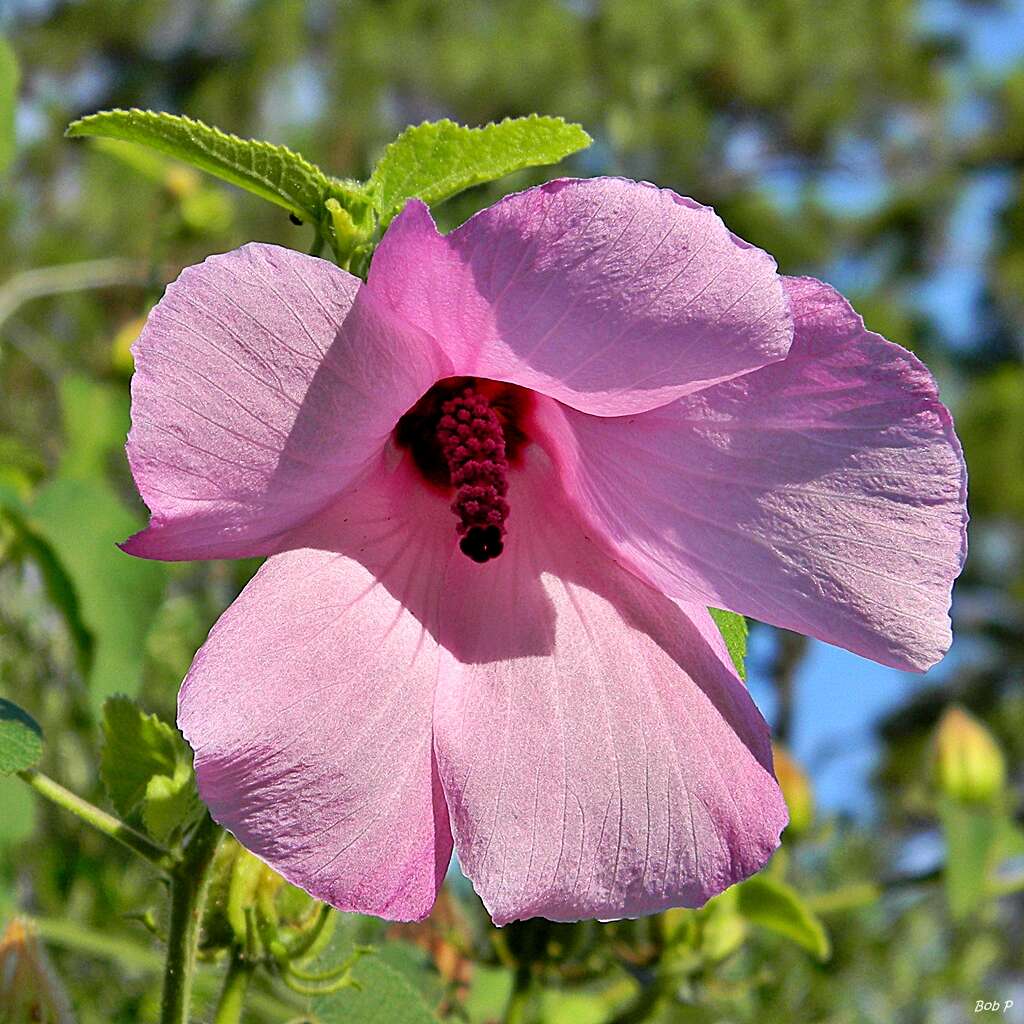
462, 434
473, 445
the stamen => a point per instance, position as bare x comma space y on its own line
471, 439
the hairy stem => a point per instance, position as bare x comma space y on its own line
189, 882
135, 841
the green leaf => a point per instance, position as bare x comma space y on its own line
147, 769
777, 906
271, 172
435, 160
82, 521
170, 803
9, 77
389, 989
723, 928
973, 833
21, 739
733, 628
96, 422
385, 997
136, 747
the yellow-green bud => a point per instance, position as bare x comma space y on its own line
796, 790
121, 347
345, 230
968, 762
182, 181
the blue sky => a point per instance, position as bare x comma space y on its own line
839, 696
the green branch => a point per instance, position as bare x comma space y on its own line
143, 846
236, 985
68, 277
189, 882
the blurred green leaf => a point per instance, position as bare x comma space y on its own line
489, 992
9, 77
96, 422
722, 927
991, 426
1011, 838
435, 160
20, 465
146, 767
21, 739
144, 161
178, 631
577, 1007
29, 544
733, 628
18, 811
777, 906
272, 172
82, 521
972, 833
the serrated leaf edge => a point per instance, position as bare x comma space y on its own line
83, 127
373, 184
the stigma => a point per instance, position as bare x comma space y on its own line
462, 436
473, 444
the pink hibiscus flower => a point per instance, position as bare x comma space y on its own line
500, 484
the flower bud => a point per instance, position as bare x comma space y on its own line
796, 790
182, 181
29, 990
968, 762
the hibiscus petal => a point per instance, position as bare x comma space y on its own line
265, 379
825, 493
309, 709
599, 755
610, 295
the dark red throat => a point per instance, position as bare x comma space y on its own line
463, 435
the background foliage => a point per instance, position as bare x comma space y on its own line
876, 143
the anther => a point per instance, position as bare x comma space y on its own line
471, 439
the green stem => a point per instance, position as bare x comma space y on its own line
645, 1006
332, 974
301, 945
68, 934
67, 277
137, 958
1008, 886
110, 826
189, 882
236, 984
522, 996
